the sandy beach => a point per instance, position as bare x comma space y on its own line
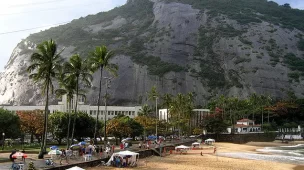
209, 161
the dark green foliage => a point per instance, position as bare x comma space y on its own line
294, 75
215, 123
156, 66
84, 125
294, 63
9, 124
245, 11
241, 60
245, 41
301, 45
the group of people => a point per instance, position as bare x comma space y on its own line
13, 152
119, 161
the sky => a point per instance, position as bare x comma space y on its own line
37, 15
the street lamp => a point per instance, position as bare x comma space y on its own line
156, 98
108, 80
3, 134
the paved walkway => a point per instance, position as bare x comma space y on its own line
40, 163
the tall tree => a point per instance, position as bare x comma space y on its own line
100, 60
77, 69
68, 88
32, 122
9, 123
145, 110
45, 64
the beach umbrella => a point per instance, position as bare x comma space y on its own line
55, 152
54, 147
75, 146
75, 168
152, 137
82, 143
19, 155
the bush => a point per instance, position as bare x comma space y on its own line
301, 45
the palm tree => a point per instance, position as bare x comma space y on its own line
68, 88
144, 111
77, 70
100, 60
189, 106
45, 64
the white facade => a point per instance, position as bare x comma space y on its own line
63, 106
245, 126
197, 116
162, 114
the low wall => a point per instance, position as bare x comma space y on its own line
243, 138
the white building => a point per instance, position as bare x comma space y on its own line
197, 117
245, 126
63, 106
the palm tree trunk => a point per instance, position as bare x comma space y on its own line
75, 110
98, 103
167, 119
46, 110
69, 124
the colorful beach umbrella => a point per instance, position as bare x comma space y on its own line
54, 147
19, 155
75, 146
55, 152
82, 143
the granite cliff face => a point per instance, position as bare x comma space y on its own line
179, 46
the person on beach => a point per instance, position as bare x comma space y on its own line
97, 150
63, 156
113, 148
23, 158
100, 151
139, 145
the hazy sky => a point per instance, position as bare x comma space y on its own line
26, 14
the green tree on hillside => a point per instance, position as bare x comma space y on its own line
44, 67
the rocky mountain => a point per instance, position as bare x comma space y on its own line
209, 47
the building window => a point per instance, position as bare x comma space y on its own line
115, 112
112, 113
133, 113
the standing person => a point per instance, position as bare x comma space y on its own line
11, 155
121, 145
139, 145
23, 158
97, 150
113, 148
100, 151
107, 151
63, 156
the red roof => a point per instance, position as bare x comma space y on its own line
241, 125
245, 120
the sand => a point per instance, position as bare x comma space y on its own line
209, 161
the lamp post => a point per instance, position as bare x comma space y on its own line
156, 114
108, 80
3, 134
